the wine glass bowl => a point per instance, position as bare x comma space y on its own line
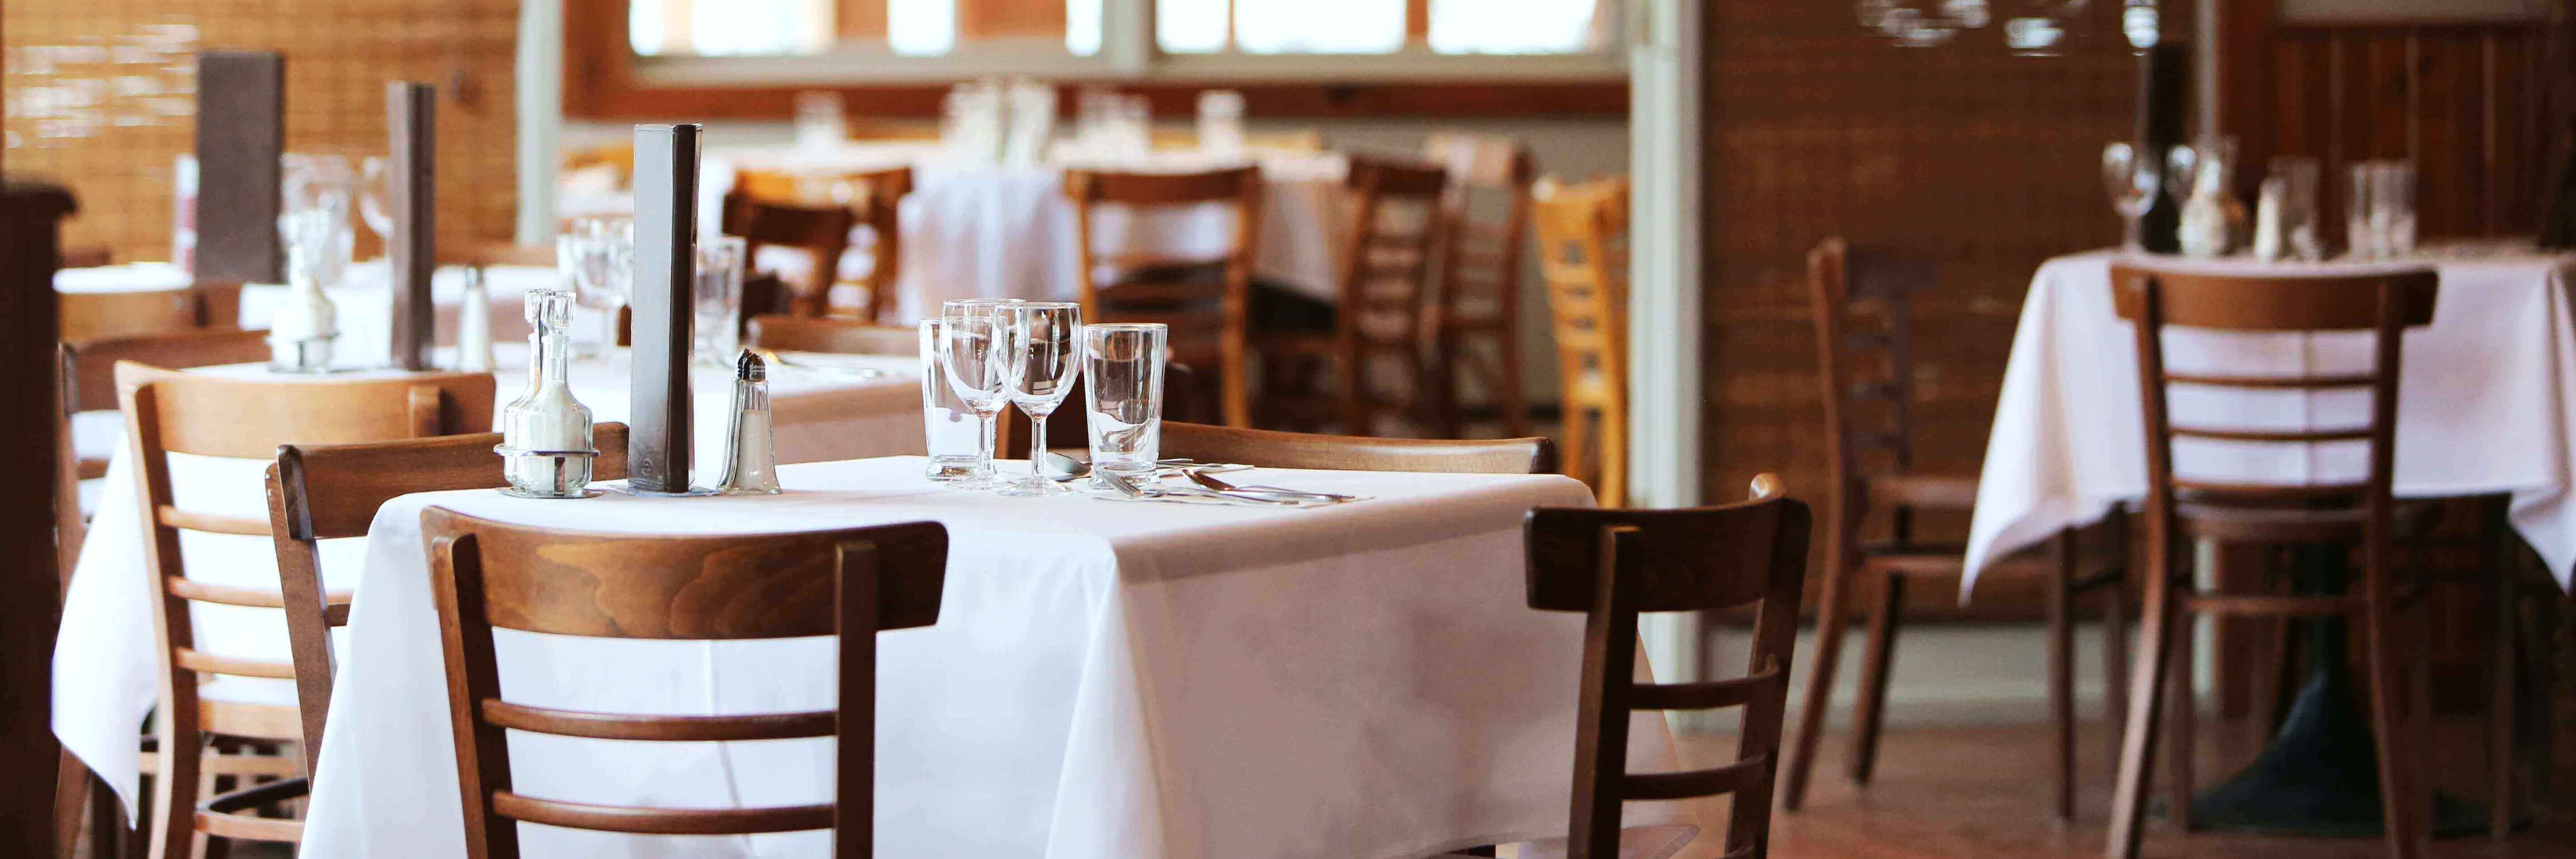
1042, 353
2132, 175
972, 335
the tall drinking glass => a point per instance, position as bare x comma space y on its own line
596, 254
2298, 175
972, 332
1122, 384
2131, 173
2392, 208
2360, 233
956, 436
718, 330
1042, 346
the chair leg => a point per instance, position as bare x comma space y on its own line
71, 804
1826, 656
2501, 707
2390, 728
1507, 390
2146, 698
174, 824
2183, 710
1870, 711
2115, 660
2061, 671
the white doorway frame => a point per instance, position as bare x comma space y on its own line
1666, 263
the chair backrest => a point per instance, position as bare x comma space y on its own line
90, 316
1868, 375
169, 411
1207, 302
1481, 262
874, 198
822, 232
484, 254
849, 582
1276, 449
331, 491
1583, 257
1396, 227
2385, 304
831, 334
88, 383
1612, 564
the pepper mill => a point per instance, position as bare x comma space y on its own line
751, 463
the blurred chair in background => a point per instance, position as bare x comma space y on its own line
1474, 323
1205, 301
1375, 339
1583, 257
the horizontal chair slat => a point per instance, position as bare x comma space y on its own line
2269, 604
1684, 785
1710, 695
215, 523
2348, 434
620, 726
2337, 381
198, 660
2271, 491
223, 825
661, 821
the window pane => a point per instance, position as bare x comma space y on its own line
904, 27
1517, 26
737, 28
1082, 27
1190, 26
1319, 26
921, 27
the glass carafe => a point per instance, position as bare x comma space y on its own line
546, 446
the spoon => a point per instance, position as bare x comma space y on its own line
1060, 467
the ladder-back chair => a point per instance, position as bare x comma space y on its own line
1583, 257
1475, 321
1379, 319
1205, 301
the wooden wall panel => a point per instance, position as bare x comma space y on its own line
1964, 154
116, 153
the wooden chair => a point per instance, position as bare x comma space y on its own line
828, 334
874, 196
1868, 374
489, 574
822, 232
330, 491
1205, 301
167, 412
1379, 318
1583, 257
488, 254
1612, 565
1274, 449
88, 379
1479, 298
88, 316
2340, 515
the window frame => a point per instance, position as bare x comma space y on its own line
604, 79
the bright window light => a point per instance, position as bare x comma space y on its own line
1513, 26
917, 28
1082, 27
1190, 26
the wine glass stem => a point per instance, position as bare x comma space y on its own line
2132, 232
1037, 447
985, 464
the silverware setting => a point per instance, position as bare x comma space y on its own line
1204, 489
775, 359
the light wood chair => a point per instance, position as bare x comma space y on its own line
1862, 305
822, 232
1379, 319
329, 491
1583, 257
829, 334
88, 316
167, 412
1205, 301
1275, 449
1474, 322
2338, 516
874, 198
1612, 565
488, 254
490, 574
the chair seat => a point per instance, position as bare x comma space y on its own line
2247, 524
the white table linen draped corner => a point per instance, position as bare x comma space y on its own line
106, 671
1106, 679
2486, 401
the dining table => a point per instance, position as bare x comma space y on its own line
107, 672
1107, 678
2486, 409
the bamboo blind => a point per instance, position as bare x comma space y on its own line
101, 96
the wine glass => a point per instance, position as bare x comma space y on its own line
1042, 349
2131, 175
596, 255
375, 197
972, 331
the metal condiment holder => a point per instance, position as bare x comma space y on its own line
563, 488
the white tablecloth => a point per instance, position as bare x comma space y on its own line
994, 231
2486, 402
106, 674
363, 301
1107, 679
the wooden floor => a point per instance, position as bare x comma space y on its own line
1983, 793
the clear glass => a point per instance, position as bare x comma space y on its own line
972, 333
546, 444
1122, 384
2131, 177
2361, 235
717, 334
2392, 208
959, 445
2299, 228
323, 183
1221, 122
596, 255
375, 196
1042, 349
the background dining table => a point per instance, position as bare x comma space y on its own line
107, 672
1107, 679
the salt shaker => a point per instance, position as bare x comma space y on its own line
751, 463
300, 334
2270, 234
474, 325
546, 448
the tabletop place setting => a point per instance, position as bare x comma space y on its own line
1263, 429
